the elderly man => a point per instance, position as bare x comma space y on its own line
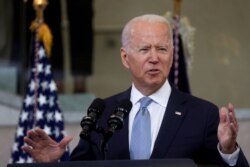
175, 124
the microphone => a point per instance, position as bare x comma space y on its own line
94, 112
115, 122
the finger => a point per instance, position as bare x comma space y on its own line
234, 127
233, 121
33, 135
231, 110
230, 107
29, 142
65, 141
233, 131
41, 133
28, 150
232, 117
223, 115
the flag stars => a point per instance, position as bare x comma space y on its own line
42, 100
64, 132
33, 70
57, 132
24, 116
19, 132
49, 116
29, 160
47, 130
48, 70
28, 100
44, 85
58, 116
32, 85
51, 101
40, 68
41, 52
39, 115
52, 86
21, 160
15, 147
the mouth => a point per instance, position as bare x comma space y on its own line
153, 71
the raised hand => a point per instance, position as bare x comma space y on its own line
42, 148
228, 129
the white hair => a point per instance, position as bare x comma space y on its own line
126, 32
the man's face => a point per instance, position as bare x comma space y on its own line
149, 55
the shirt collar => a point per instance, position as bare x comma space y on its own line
161, 96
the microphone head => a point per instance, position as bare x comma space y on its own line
126, 103
96, 107
115, 121
124, 106
88, 122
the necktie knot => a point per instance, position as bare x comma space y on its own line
145, 101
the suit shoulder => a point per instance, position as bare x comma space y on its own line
196, 101
118, 96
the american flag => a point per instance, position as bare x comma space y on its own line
40, 106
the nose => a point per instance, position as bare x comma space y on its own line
154, 57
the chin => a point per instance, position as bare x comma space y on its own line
156, 83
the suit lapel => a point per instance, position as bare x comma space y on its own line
173, 118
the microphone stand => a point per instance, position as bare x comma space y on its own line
107, 134
115, 122
86, 136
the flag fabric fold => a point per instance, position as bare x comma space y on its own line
178, 75
40, 105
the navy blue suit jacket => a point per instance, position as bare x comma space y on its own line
191, 134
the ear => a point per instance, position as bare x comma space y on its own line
124, 58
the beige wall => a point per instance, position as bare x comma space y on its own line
219, 72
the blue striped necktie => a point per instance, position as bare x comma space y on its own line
140, 146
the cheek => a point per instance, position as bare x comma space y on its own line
136, 67
167, 63
166, 67
134, 62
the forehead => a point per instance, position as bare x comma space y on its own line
150, 31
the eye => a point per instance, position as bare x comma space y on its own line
144, 50
163, 49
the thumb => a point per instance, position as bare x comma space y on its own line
65, 141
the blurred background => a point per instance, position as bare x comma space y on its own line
86, 62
